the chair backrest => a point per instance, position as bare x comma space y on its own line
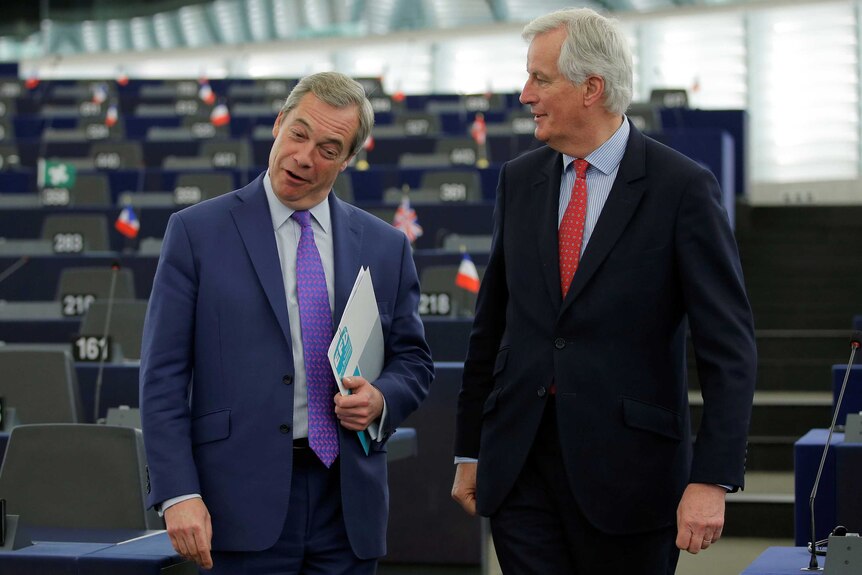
79, 476
93, 229
9, 158
96, 281
226, 153
454, 185
126, 327
7, 130
645, 116
393, 196
440, 294
473, 243
203, 185
41, 384
150, 246
459, 151
343, 187
117, 155
90, 190
669, 97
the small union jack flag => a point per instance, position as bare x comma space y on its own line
406, 220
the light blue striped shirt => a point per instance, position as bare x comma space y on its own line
604, 164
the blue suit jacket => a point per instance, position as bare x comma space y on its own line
217, 367
661, 253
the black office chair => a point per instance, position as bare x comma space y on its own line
126, 325
40, 383
90, 190
437, 281
83, 282
227, 153
80, 476
473, 243
203, 185
343, 187
454, 185
65, 229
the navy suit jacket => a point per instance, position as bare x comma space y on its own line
662, 252
217, 367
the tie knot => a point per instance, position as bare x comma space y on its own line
581, 168
303, 217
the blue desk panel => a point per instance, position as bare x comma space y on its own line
146, 556
852, 402
839, 499
781, 561
807, 452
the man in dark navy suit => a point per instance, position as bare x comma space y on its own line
573, 429
253, 456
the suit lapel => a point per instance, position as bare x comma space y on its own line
346, 245
254, 223
547, 187
622, 202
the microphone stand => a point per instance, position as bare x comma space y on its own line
115, 268
855, 342
13, 268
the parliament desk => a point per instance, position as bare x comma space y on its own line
839, 499
781, 561
419, 486
86, 552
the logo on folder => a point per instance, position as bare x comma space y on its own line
343, 351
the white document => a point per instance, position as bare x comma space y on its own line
357, 347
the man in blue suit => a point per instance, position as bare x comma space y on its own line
251, 473
573, 430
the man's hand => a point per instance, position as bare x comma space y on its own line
464, 486
362, 407
700, 516
190, 530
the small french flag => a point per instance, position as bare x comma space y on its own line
206, 93
220, 116
112, 116
127, 223
468, 277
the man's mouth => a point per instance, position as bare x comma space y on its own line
295, 176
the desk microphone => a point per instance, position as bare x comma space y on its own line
855, 343
115, 270
22, 261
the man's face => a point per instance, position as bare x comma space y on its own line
312, 146
555, 102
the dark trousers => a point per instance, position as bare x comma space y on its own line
541, 530
314, 539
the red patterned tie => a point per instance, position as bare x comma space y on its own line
572, 227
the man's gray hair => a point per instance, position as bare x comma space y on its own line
594, 46
339, 91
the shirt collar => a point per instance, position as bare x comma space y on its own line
606, 157
280, 213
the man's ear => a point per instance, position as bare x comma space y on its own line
277, 124
594, 90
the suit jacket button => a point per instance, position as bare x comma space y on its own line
559, 343
284, 428
287, 379
541, 391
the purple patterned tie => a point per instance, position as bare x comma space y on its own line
315, 320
